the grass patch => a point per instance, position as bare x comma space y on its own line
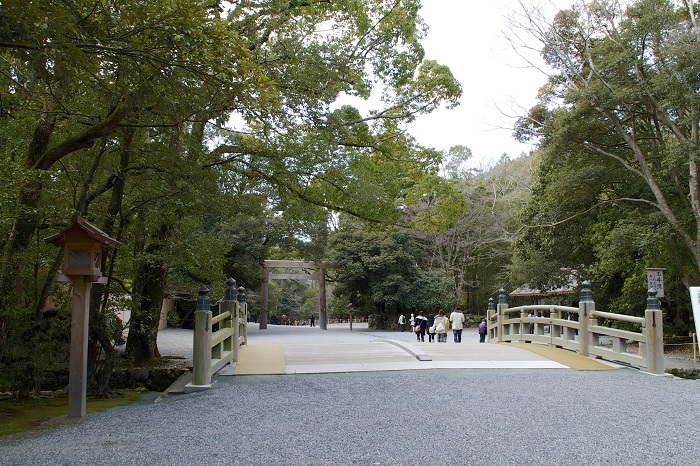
21, 416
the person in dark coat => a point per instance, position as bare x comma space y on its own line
421, 323
431, 328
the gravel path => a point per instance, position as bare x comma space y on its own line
434, 417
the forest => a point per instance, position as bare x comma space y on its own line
207, 137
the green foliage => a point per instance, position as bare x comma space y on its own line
31, 348
465, 223
379, 270
202, 139
617, 181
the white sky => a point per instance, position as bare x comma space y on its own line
467, 37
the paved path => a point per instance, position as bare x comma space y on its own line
304, 350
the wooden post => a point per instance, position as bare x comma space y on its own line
585, 307
502, 306
201, 350
77, 372
263, 310
489, 327
83, 244
655, 334
231, 305
322, 317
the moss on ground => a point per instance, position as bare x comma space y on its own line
25, 415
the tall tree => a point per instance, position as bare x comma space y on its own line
615, 125
381, 270
622, 94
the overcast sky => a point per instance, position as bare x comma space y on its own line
467, 36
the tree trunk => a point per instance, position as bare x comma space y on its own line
102, 357
148, 289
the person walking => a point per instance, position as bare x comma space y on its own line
457, 320
420, 324
431, 328
412, 320
313, 320
483, 329
402, 322
441, 326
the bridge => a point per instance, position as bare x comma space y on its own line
534, 337
305, 350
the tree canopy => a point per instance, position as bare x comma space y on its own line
617, 125
167, 122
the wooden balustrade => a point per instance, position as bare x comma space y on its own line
217, 339
579, 329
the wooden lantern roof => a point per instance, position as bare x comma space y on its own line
80, 230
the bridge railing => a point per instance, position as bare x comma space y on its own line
217, 339
580, 329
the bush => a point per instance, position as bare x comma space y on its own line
676, 328
31, 348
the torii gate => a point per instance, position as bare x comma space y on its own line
320, 276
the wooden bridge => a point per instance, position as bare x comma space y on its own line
537, 336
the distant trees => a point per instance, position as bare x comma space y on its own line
454, 247
479, 213
380, 271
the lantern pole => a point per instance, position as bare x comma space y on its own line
77, 373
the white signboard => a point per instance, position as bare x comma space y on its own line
695, 300
655, 279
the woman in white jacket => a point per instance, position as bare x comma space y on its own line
441, 326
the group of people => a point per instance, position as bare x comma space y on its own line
439, 325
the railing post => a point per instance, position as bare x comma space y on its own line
502, 305
489, 327
654, 334
201, 350
585, 307
230, 305
242, 312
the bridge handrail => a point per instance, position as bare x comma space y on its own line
585, 335
223, 316
540, 307
213, 349
620, 317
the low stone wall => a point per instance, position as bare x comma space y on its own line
156, 379
685, 373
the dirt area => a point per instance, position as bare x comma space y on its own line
681, 357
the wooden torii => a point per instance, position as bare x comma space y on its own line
320, 276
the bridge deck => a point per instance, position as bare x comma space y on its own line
302, 350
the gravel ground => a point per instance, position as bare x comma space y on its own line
435, 417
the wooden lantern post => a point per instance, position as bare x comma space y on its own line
82, 245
